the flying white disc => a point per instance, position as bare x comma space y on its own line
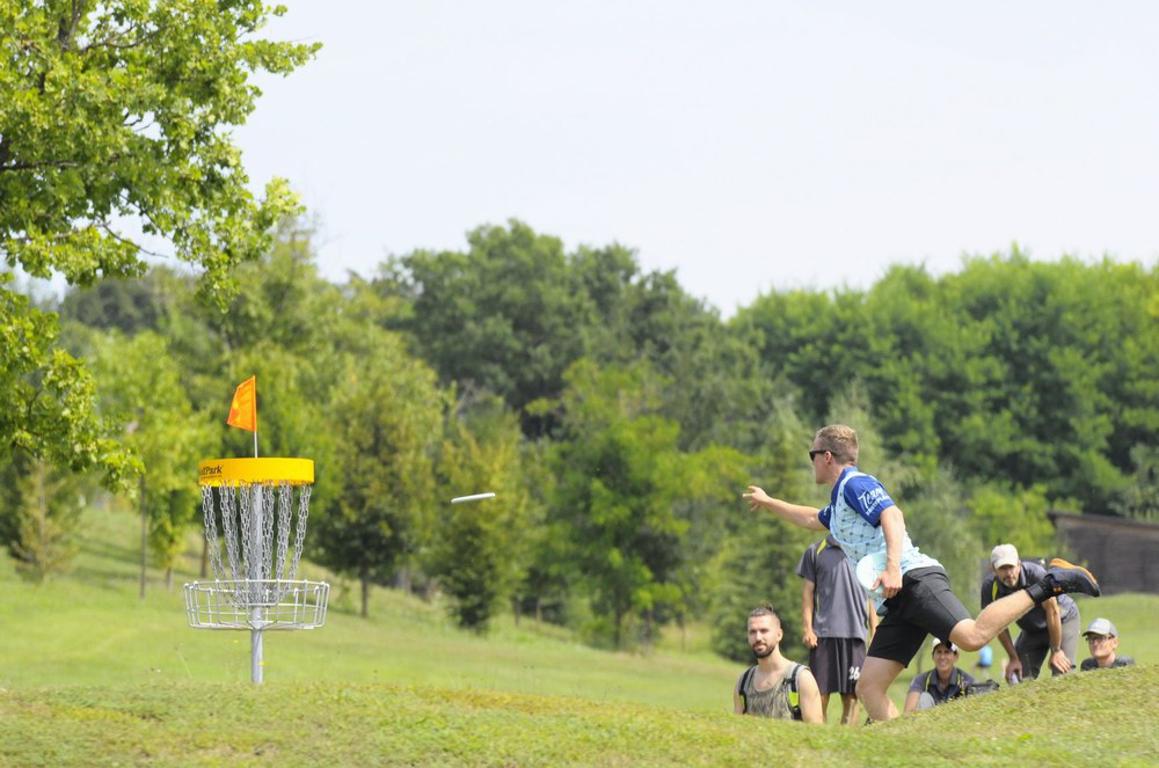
868, 569
472, 497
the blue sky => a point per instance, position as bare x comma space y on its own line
750, 146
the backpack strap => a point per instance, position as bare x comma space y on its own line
794, 694
932, 681
745, 677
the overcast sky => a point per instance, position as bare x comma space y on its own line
750, 146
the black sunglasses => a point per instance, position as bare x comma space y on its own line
813, 453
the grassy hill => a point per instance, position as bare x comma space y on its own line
92, 675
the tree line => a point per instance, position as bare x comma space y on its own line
616, 415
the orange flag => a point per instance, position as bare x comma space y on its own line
243, 411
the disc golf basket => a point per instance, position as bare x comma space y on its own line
255, 514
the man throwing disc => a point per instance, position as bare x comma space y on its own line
916, 599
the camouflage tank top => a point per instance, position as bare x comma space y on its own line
771, 703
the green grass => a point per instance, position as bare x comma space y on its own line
92, 675
1095, 719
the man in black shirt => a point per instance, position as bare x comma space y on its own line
1103, 641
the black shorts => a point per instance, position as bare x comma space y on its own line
836, 663
925, 605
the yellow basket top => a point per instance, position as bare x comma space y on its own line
255, 471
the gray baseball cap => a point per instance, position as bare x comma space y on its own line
1101, 626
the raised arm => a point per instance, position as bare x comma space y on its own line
805, 517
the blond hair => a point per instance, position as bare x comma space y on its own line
839, 440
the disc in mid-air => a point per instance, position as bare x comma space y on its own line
472, 497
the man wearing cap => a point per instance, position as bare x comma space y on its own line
1103, 642
942, 683
914, 594
1049, 632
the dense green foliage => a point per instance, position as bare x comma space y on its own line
619, 419
115, 131
1011, 371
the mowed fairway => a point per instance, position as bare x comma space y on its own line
92, 675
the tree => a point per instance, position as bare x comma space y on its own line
386, 417
142, 390
129, 306
115, 121
480, 549
1011, 516
47, 511
50, 402
1011, 370
1140, 500
621, 480
506, 317
756, 562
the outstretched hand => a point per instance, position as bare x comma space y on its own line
756, 497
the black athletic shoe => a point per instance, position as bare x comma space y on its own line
1063, 577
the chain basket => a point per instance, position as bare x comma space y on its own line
256, 511
257, 523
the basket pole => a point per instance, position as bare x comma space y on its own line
256, 659
256, 655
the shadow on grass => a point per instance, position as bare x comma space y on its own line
103, 548
109, 580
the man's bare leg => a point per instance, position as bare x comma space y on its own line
848, 708
1061, 578
873, 687
972, 634
824, 707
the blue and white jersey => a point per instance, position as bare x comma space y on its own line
854, 518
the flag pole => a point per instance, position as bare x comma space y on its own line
257, 650
255, 416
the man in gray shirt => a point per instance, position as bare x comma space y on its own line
1049, 632
835, 612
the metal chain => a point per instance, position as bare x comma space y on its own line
208, 508
246, 529
300, 532
230, 504
285, 508
269, 513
